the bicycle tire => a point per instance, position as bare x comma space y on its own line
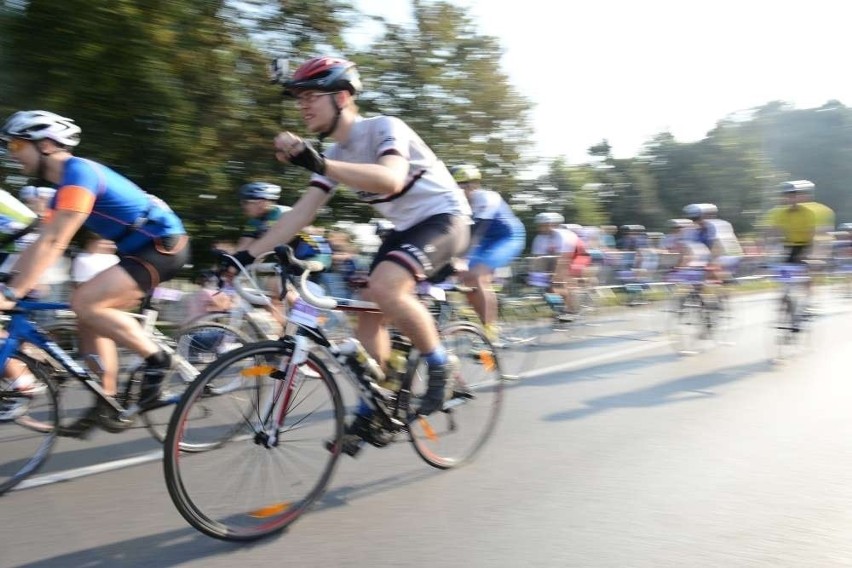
686, 322
520, 329
39, 423
217, 492
78, 401
785, 329
198, 345
453, 436
249, 326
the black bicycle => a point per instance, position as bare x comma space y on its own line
283, 449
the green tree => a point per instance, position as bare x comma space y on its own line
171, 93
444, 79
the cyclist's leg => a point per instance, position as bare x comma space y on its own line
483, 262
99, 304
107, 353
404, 258
482, 297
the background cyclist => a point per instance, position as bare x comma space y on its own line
497, 238
561, 255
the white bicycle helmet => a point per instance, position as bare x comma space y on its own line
260, 190
693, 211
37, 125
465, 173
549, 218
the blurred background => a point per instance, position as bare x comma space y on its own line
174, 94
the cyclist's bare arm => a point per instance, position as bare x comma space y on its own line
244, 243
387, 176
46, 250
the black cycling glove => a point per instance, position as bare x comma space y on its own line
243, 257
309, 159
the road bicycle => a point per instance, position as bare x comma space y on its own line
33, 418
790, 321
517, 318
283, 450
556, 322
695, 314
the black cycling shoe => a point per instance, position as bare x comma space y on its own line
152, 384
354, 436
433, 399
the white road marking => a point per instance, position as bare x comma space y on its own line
70, 474
587, 361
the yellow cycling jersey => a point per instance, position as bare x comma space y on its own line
797, 224
823, 213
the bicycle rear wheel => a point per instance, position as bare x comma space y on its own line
195, 348
687, 323
29, 421
452, 436
785, 328
251, 486
520, 327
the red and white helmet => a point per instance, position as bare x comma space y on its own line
39, 125
324, 74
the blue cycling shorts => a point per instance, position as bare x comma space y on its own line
498, 253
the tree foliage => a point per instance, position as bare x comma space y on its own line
444, 79
173, 93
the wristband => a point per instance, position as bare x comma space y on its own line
309, 159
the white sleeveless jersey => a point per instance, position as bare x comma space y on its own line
429, 189
725, 238
557, 242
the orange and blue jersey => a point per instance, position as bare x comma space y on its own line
117, 208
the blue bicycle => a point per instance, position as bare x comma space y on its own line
37, 363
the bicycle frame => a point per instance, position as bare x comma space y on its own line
303, 329
790, 276
20, 330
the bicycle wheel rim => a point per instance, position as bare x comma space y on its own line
785, 337
195, 347
28, 439
686, 324
453, 436
520, 329
244, 490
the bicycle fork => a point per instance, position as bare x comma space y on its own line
278, 403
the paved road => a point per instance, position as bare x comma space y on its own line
615, 452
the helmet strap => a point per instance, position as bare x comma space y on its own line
334, 123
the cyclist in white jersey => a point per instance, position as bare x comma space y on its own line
388, 166
497, 239
567, 259
725, 246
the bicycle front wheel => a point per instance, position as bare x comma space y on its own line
452, 436
28, 421
195, 348
271, 469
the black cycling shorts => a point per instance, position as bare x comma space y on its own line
157, 262
797, 254
427, 247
